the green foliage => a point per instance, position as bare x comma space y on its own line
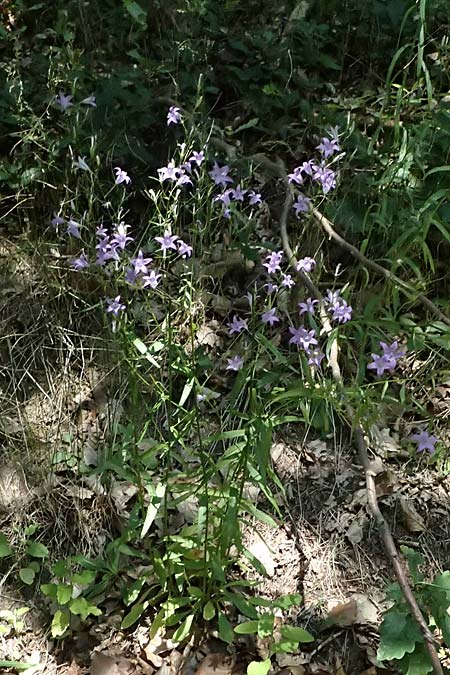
400, 638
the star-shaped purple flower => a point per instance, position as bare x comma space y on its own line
425, 441
235, 363
302, 337
273, 262
287, 280
270, 316
114, 306
73, 229
327, 147
315, 357
307, 306
80, 263
237, 325
185, 250
219, 174
64, 101
254, 198
169, 172
301, 205
140, 263
173, 115
306, 264
167, 241
197, 157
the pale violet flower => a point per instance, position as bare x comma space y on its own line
380, 363
81, 164
197, 157
273, 262
254, 198
235, 363
301, 205
73, 229
224, 197
287, 280
306, 265
57, 220
120, 236
173, 115
140, 263
151, 279
183, 180
64, 101
90, 100
327, 147
80, 263
296, 176
238, 194
185, 250
114, 306
121, 176
307, 306
302, 337
270, 316
219, 174
342, 312
167, 241
271, 287
237, 325
425, 441
315, 357
169, 172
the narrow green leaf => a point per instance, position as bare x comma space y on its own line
5, 548
246, 628
296, 634
134, 614
183, 631
225, 628
153, 508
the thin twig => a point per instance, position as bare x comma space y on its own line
378, 269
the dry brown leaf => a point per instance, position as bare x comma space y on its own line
263, 553
104, 664
366, 610
412, 520
220, 664
297, 670
342, 614
355, 532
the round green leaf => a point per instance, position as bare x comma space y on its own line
27, 575
60, 623
64, 593
259, 667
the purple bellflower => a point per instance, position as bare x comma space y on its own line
219, 174
425, 441
235, 363
173, 115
